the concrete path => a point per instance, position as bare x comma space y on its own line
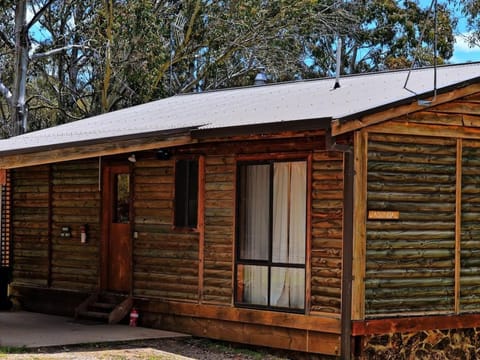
27, 329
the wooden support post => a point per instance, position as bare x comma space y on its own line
458, 224
50, 226
347, 254
308, 258
201, 225
359, 225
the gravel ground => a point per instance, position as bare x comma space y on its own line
165, 349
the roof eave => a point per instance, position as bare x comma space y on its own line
54, 153
404, 106
264, 128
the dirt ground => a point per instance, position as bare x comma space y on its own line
165, 349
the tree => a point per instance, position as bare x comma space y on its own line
214, 44
77, 59
7, 50
470, 9
81, 58
17, 39
390, 35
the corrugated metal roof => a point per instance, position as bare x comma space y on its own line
276, 103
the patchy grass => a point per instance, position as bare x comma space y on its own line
164, 349
240, 351
12, 350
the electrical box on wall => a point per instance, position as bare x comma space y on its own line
66, 232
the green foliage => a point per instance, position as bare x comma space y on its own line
119, 53
470, 9
387, 36
12, 350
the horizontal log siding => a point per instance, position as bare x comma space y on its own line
76, 201
327, 231
219, 228
30, 220
165, 261
470, 229
410, 261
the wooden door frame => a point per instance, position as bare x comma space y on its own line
106, 198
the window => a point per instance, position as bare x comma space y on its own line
270, 266
186, 193
121, 203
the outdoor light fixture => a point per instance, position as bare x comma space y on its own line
132, 158
163, 154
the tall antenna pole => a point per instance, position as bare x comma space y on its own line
433, 6
171, 59
338, 64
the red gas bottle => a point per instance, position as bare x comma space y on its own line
133, 317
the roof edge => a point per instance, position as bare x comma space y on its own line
264, 128
98, 141
403, 106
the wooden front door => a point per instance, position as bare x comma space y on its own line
117, 241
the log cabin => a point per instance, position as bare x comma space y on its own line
341, 221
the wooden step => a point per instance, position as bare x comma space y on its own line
103, 305
110, 307
120, 311
95, 314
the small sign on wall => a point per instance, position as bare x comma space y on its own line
383, 215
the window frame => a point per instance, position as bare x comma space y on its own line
271, 159
185, 226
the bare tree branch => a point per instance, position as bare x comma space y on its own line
6, 40
47, 104
56, 51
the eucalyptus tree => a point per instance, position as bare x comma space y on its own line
7, 59
28, 45
197, 45
79, 58
390, 34
470, 9
63, 61
70, 59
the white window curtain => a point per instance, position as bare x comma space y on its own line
288, 238
288, 216
256, 227
256, 213
255, 289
